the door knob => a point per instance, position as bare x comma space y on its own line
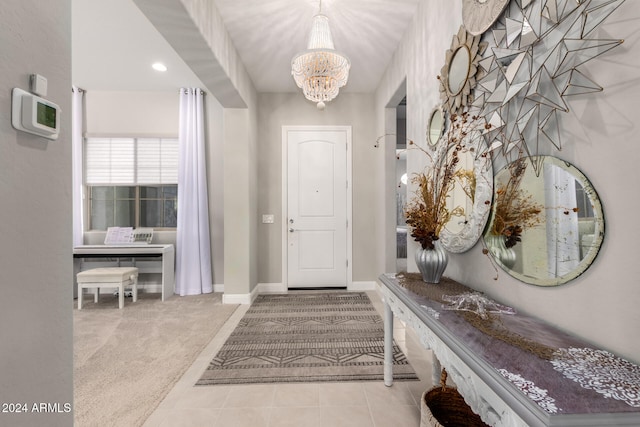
291, 230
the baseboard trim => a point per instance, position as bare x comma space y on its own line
241, 298
362, 286
152, 288
143, 288
147, 288
271, 288
236, 299
156, 288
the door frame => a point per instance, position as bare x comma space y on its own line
285, 198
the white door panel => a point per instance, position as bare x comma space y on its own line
309, 257
316, 192
315, 178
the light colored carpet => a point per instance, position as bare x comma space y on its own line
305, 337
126, 361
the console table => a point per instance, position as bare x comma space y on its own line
166, 252
507, 385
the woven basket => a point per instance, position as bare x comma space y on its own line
443, 406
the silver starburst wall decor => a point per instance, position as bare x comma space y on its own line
532, 65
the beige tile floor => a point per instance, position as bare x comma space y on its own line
348, 404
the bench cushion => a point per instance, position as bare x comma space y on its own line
107, 274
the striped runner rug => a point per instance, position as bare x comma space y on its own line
306, 337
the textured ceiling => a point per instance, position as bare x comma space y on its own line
114, 44
268, 33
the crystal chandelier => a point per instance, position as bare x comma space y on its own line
320, 71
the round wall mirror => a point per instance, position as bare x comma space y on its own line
458, 70
479, 15
436, 126
547, 222
469, 196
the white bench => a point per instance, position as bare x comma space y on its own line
108, 277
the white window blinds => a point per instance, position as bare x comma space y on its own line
157, 160
131, 161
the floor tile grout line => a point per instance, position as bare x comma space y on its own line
218, 341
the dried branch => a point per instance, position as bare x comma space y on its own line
515, 209
427, 213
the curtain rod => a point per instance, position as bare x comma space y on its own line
192, 88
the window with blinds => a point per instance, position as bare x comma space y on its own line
131, 161
132, 182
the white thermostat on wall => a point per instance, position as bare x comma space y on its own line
34, 114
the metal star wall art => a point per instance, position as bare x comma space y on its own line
532, 66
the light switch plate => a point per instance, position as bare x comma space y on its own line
267, 219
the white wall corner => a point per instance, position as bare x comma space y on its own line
218, 287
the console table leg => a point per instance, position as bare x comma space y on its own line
388, 345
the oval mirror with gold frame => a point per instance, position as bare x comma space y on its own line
435, 126
470, 195
547, 222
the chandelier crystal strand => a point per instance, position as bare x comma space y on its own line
320, 71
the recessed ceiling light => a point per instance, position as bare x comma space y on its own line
158, 66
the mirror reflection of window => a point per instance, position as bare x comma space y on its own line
463, 192
585, 208
401, 190
586, 221
563, 244
401, 185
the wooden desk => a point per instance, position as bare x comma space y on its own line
504, 384
167, 252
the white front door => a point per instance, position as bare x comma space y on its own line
317, 188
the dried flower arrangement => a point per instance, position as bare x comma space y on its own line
428, 212
514, 208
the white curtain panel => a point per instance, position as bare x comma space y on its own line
193, 251
77, 125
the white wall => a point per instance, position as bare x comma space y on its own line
600, 138
131, 113
156, 114
277, 110
35, 219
